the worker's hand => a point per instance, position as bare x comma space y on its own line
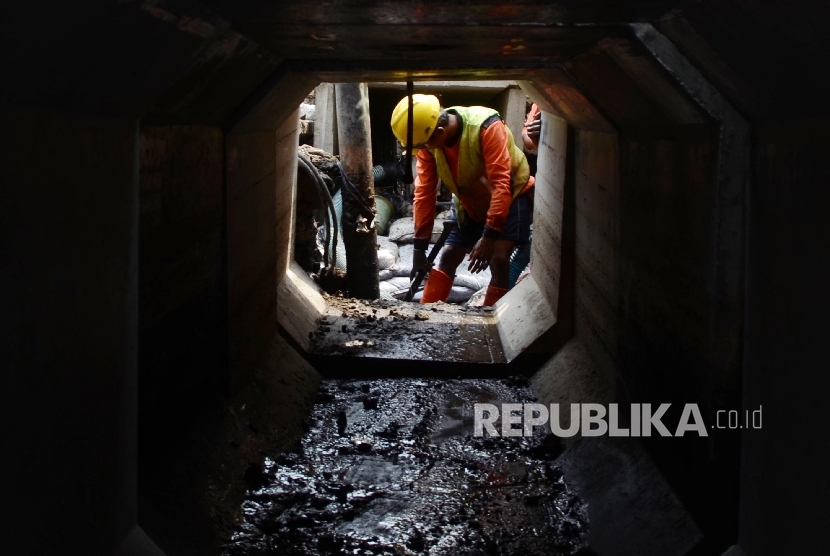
419, 262
481, 254
534, 129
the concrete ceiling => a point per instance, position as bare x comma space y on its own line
197, 61
524, 32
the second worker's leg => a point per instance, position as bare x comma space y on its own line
499, 271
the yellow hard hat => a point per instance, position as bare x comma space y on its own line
424, 118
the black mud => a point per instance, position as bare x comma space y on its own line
407, 331
392, 467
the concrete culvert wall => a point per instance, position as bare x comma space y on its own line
156, 335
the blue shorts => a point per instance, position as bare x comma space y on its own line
516, 229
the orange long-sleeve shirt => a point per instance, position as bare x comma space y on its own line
487, 202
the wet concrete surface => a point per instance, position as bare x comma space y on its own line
391, 467
408, 331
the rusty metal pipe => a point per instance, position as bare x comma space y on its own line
359, 231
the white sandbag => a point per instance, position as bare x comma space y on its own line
477, 299
385, 274
459, 294
465, 279
403, 271
396, 287
399, 282
387, 253
402, 230
387, 286
404, 263
387, 244
386, 259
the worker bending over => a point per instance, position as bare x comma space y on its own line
474, 154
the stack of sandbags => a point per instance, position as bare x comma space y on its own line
395, 280
465, 283
394, 288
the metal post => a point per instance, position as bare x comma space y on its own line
359, 231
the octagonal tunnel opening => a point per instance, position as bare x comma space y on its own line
333, 323
568, 351
560, 332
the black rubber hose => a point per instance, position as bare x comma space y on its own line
303, 164
335, 226
325, 199
347, 186
389, 172
379, 174
331, 221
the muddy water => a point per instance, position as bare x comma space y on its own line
392, 467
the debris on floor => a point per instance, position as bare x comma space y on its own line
402, 330
391, 467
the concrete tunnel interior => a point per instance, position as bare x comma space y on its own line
157, 331
530, 312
